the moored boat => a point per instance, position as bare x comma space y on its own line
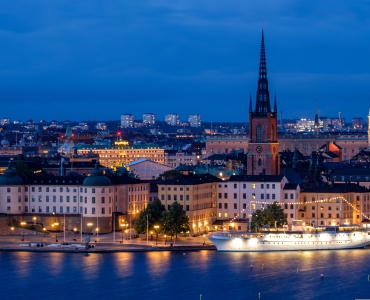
309, 238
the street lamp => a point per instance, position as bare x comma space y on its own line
122, 225
89, 225
22, 224
56, 233
97, 234
156, 227
204, 239
165, 239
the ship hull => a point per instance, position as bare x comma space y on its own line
288, 242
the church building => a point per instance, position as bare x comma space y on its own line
263, 155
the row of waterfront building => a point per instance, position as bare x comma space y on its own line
210, 203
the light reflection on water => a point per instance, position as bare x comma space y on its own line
172, 275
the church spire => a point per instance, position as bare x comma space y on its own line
263, 96
250, 103
275, 105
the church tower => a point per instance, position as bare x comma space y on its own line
263, 155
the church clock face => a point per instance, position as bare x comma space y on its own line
259, 149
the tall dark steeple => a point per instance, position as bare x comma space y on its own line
275, 105
250, 103
263, 96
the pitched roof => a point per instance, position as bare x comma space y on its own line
191, 179
257, 178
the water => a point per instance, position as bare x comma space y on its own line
172, 275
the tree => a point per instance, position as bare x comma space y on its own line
22, 168
171, 174
175, 220
268, 216
153, 212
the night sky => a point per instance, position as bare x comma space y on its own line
96, 60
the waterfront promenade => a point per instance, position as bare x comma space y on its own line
53, 242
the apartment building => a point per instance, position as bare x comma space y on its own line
197, 193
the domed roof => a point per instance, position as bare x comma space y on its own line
10, 177
97, 178
4, 142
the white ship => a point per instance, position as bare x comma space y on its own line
300, 238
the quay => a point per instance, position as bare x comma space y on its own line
104, 244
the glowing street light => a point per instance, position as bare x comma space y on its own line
156, 227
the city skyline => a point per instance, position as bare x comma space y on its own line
96, 63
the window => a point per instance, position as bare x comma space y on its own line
93, 191
321, 215
235, 185
32, 189
253, 185
40, 199
302, 215
187, 208
329, 208
26, 189
225, 205
329, 216
103, 190
102, 199
259, 133
26, 209
162, 197
85, 210
175, 197
103, 211
47, 209
253, 196
273, 186
187, 197
74, 198
267, 196
273, 196
61, 209
235, 196
291, 206
40, 189
67, 198
47, 189
235, 206
219, 195
93, 210
313, 215
181, 189
67, 209
291, 196
244, 186
54, 190
226, 215
285, 206
8, 199
33, 199
169, 189
262, 185
181, 197
61, 189
19, 199
267, 186
253, 205
262, 196
61, 199
225, 195
93, 200
168, 197
187, 188
244, 196
220, 205
244, 205
291, 215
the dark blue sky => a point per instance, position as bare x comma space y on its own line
86, 60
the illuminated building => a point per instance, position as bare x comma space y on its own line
194, 121
148, 119
197, 195
172, 119
127, 121
122, 153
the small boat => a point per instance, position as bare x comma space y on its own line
299, 238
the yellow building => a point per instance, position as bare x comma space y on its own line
123, 154
198, 196
334, 204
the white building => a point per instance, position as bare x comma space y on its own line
194, 121
77, 199
240, 196
148, 119
101, 126
172, 119
127, 121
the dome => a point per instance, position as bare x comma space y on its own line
10, 177
4, 142
97, 178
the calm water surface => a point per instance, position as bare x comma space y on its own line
171, 275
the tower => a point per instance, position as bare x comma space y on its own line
263, 155
317, 123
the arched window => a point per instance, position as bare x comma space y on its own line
272, 133
260, 162
259, 133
